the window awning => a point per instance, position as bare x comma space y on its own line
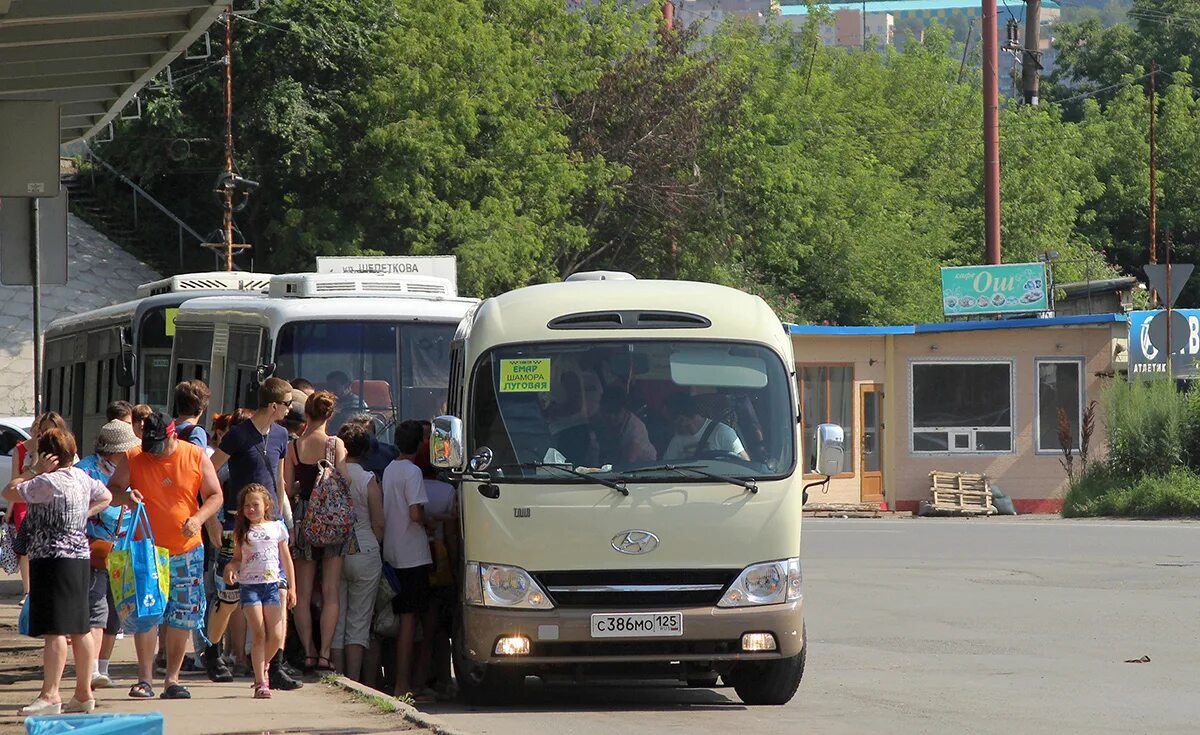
92, 56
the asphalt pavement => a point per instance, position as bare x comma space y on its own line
215, 709
948, 626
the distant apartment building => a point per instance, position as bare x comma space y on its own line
849, 31
711, 13
888, 20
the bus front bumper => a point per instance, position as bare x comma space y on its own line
565, 636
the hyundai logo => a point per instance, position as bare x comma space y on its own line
635, 541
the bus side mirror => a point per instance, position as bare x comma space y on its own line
446, 443
830, 450
125, 363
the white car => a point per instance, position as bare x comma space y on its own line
13, 431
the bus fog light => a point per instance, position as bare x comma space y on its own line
757, 642
518, 645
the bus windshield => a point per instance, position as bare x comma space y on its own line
393, 371
641, 407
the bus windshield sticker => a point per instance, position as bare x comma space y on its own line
525, 376
170, 315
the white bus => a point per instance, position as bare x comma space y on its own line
381, 343
123, 352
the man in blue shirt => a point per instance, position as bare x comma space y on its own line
191, 401
381, 454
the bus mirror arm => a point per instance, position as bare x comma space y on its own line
823, 482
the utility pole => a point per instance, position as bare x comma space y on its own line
229, 185
35, 258
668, 27
1153, 172
991, 135
1031, 63
1170, 344
864, 24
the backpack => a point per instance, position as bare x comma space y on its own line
329, 513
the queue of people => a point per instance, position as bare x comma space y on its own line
233, 506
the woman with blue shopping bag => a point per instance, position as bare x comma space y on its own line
60, 498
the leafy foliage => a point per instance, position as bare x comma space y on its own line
535, 139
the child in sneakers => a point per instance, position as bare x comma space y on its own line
260, 545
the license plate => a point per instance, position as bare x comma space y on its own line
637, 625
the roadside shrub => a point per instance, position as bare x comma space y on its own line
1144, 424
1191, 428
1173, 495
1087, 490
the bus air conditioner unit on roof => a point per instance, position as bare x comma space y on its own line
217, 281
318, 285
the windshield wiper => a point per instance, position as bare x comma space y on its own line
572, 471
750, 485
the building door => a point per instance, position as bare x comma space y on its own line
871, 442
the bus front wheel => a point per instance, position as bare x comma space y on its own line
768, 682
488, 686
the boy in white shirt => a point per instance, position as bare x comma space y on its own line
406, 544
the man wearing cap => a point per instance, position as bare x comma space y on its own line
168, 477
115, 439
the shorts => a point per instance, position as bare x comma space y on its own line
414, 590
102, 612
266, 593
186, 604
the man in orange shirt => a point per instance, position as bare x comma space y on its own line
168, 477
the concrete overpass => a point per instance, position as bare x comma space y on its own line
93, 56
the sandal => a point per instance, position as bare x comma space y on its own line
310, 664
175, 691
261, 691
326, 666
142, 690
40, 706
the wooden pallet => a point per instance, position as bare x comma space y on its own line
961, 492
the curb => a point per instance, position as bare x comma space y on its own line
408, 712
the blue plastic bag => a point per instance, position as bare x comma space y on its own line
23, 618
139, 572
150, 723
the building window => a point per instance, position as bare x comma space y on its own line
962, 407
1059, 389
827, 397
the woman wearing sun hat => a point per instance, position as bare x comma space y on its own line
115, 439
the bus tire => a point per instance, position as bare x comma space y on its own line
493, 686
487, 686
768, 682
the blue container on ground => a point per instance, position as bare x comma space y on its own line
147, 724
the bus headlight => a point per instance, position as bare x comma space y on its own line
768, 583
498, 585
